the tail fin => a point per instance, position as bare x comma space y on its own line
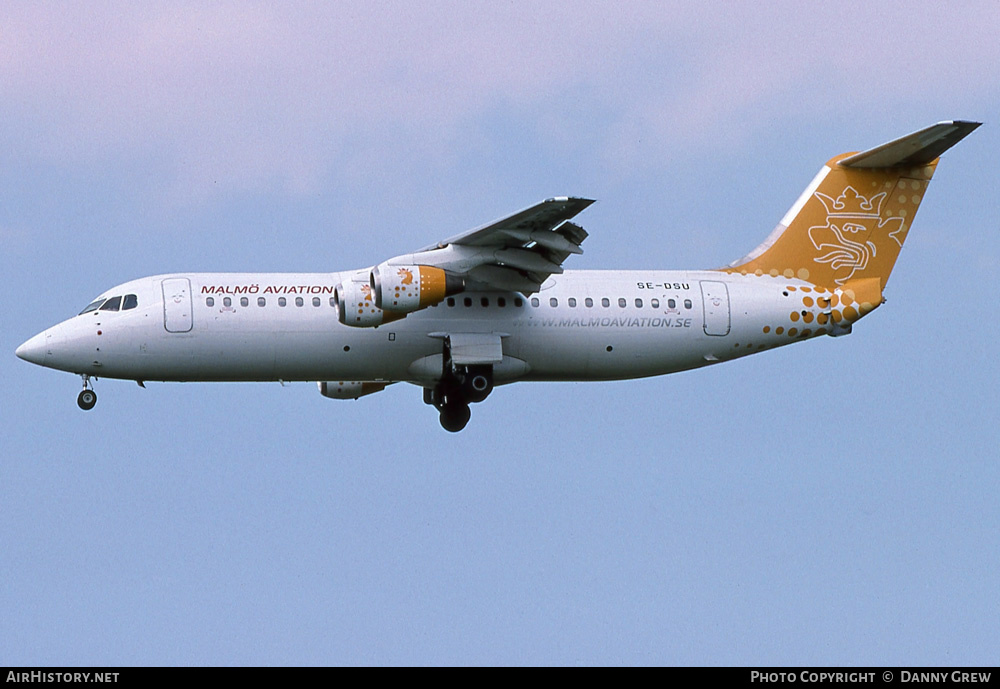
851, 221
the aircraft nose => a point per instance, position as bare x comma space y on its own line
34, 350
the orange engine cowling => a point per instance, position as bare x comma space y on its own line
356, 306
404, 289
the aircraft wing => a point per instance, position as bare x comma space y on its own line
517, 253
509, 231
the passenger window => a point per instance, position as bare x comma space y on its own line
451, 301
655, 303
638, 303
227, 301
605, 302
672, 303
589, 302
130, 302
518, 302
572, 302
501, 302
553, 302
621, 302
112, 304
316, 301
298, 301
281, 301
333, 302
209, 301
534, 301
261, 301
467, 301
687, 303
485, 301
244, 301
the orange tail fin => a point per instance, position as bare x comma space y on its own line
851, 221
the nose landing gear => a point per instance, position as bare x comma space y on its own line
87, 398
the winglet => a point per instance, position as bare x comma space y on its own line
918, 148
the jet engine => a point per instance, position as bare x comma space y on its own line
404, 289
348, 389
356, 306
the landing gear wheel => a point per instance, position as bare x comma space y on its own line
455, 416
86, 400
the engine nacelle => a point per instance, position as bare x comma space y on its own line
348, 389
404, 289
356, 306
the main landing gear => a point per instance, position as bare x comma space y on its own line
455, 412
88, 398
459, 385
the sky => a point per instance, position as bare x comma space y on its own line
828, 503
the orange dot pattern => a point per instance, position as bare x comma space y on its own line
821, 311
821, 306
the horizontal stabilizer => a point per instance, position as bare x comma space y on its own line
918, 148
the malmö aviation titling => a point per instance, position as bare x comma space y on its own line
494, 305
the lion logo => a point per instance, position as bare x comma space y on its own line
843, 241
406, 276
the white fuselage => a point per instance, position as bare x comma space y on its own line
453, 317
582, 325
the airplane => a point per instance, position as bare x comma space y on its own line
494, 305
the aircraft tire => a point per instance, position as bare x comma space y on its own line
455, 416
86, 400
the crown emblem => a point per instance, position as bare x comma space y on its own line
851, 204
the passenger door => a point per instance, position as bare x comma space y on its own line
177, 316
715, 301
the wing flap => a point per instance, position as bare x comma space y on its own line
527, 260
549, 240
506, 279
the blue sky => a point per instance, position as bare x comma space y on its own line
833, 502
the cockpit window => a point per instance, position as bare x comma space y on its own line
112, 304
130, 302
93, 306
